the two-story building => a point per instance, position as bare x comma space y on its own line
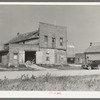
47, 45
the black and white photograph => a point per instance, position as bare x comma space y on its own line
49, 48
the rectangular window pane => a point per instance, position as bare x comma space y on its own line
47, 58
61, 41
53, 42
15, 55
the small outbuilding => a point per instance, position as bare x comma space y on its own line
93, 51
79, 58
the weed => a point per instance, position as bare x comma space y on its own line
49, 83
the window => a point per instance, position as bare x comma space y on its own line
53, 42
15, 56
47, 58
61, 41
23, 42
78, 59
46, 39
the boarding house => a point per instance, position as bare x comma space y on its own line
47, 45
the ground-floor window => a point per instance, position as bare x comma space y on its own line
47, 58
0, 59
15, 56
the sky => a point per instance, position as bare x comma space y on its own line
82, 21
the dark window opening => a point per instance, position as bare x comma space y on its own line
47, 59
23, 42
61, 41
0, 58
53, 42
46, 39
70, 60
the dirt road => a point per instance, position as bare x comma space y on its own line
17, 74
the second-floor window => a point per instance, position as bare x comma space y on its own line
61, 41
46, 40
53, 42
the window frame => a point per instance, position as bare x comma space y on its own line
46, 39
47, 58
15, 56
53, 42
61, 41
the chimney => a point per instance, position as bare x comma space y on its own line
90, 43
18, 33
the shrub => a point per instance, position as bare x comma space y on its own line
33, 77
12, 66
22, 66
28, 62
24, 77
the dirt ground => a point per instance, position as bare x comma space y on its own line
72, 70
51, 80
18, 74
63, 67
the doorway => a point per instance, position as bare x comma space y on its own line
30, 56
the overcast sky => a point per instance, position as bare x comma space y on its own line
82, 22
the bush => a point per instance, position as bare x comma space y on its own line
22, 66
28, 62
11, 66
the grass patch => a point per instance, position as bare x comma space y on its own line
48, 83
61, 67
21, 67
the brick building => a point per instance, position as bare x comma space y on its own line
47, 45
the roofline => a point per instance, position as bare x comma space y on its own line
53, 48
91, 52
22, 40
25, 39
53, 25
80, 53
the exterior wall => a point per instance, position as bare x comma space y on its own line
50, 53
80, 58
32, 41
5, 59
52, 31
55, 56
93, 56
20, 50
60, 57
0, 58
35, 41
